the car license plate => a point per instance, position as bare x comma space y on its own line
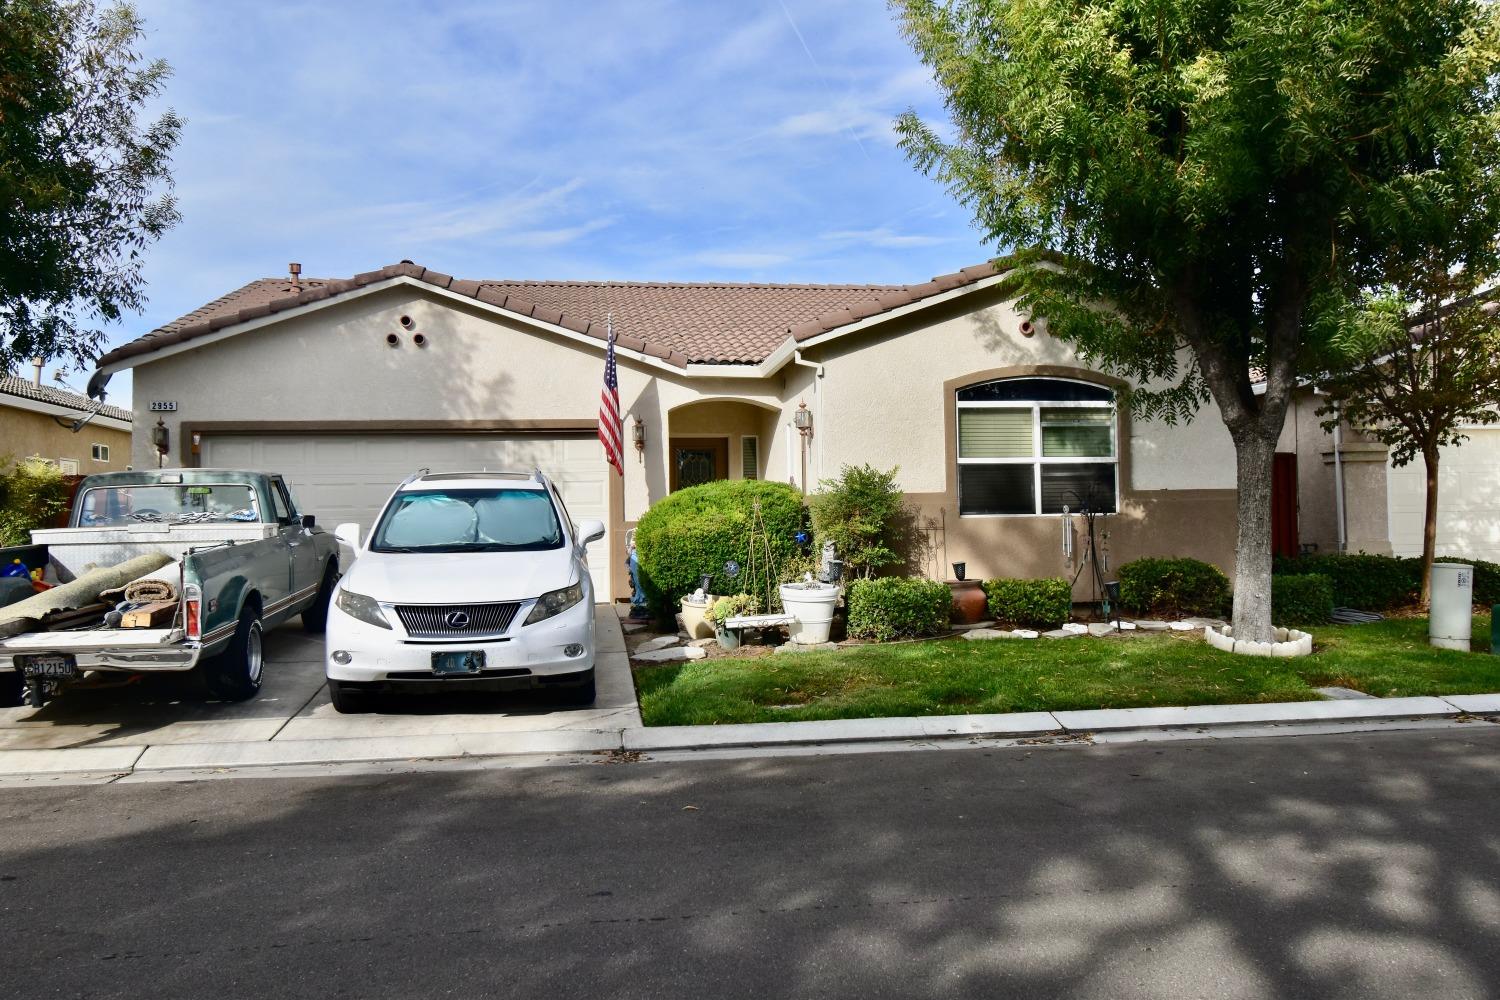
51, 666
459, 661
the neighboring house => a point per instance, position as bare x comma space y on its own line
36, 422
349, 385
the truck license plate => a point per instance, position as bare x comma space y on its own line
458, 661
51, 666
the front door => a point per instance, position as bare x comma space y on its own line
1284, 505
698, 460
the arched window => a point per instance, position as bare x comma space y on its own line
1036, 445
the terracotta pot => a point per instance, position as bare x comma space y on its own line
969, 602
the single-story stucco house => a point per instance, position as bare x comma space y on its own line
39, 420
349, 385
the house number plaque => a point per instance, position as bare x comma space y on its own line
164, 406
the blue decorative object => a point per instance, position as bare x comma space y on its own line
732, 570
802, 538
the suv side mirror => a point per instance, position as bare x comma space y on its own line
309, 521
348, 534
590, 531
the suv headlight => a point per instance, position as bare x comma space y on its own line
555, 602
362, 608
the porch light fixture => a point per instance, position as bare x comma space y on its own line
638, 434
161, 437
802, 420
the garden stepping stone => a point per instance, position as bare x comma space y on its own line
671, 653
1205, 622
1151, 626
1024, 633
797, 647
1185, 627
1062, 633
660, 642
1342, 694
1075, 628
631, 628
704, 643
1098, 629
986, 633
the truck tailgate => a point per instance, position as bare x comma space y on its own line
95, 639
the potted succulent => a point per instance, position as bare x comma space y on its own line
726, 608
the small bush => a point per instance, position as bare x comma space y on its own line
1174, 588
1486, 579
1301, 599
1362, 581
863, 512
699, 529
32, 495
726, 608
896, 607
1030, 603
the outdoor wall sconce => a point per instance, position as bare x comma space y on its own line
638, 435
802, 419
161, 437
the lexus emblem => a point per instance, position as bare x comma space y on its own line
457, 619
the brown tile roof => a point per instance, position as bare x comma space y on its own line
680, 323
11, 385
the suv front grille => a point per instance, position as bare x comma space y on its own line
449, 621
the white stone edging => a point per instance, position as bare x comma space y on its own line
1289, 642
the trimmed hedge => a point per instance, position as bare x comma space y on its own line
1174, 588
896, 607
1030, 603
1379, 583
699, 529
1301, 599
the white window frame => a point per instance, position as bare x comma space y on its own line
1035, 459
99, 452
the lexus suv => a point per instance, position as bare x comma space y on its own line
467, 581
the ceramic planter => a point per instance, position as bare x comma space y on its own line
812, 605
695, 620
969, 601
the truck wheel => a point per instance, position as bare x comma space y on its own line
347, 700
315, 615
12, 689
235, 674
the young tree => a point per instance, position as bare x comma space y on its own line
84, 185
1431, 353
1222, 173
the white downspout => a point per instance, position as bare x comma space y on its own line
818, 429
1338, 477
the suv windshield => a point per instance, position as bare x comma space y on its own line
474, 520
113, 506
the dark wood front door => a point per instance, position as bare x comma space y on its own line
1284, 505
698, 460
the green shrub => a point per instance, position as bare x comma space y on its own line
863, 512
1486, 579
1362, 581
1173, 588
32, 495
699, 529
1030, 603
895, 607
1301, 599
726, 608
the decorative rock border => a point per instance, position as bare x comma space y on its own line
1289, 642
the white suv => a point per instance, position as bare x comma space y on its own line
468, 580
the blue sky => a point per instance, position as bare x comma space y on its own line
652, 139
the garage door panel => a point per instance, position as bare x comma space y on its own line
346, 477
1468, 523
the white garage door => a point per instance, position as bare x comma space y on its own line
1468, 500
348, 477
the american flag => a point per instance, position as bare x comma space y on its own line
611, 426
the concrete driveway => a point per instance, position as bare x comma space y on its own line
293, 706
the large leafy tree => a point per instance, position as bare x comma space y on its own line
1431, 347
84, 179
1224, 174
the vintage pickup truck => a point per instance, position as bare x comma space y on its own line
232, 551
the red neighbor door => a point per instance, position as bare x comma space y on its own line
1284, 505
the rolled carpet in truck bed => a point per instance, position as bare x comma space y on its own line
27, 615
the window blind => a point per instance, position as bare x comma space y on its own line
750, 457
985, 433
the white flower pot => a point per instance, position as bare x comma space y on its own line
695, 621
812, 606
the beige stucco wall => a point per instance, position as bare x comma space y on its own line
881, 399
1365, 488
24, 433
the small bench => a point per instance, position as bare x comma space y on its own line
740, 623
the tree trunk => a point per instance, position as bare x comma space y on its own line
1254, 453
1429, 523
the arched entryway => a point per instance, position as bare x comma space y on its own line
715, 439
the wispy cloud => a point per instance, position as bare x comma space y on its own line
884, 238
740, 260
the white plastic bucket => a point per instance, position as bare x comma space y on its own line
1450, 619
812, 607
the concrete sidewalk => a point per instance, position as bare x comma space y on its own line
160, 729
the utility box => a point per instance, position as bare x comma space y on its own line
1451, 616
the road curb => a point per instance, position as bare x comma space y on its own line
1284, 718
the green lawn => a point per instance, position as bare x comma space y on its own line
954, 676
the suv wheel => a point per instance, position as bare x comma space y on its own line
582, 693
235, 674
12, 689
347, 700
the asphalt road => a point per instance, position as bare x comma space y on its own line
1350, 866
